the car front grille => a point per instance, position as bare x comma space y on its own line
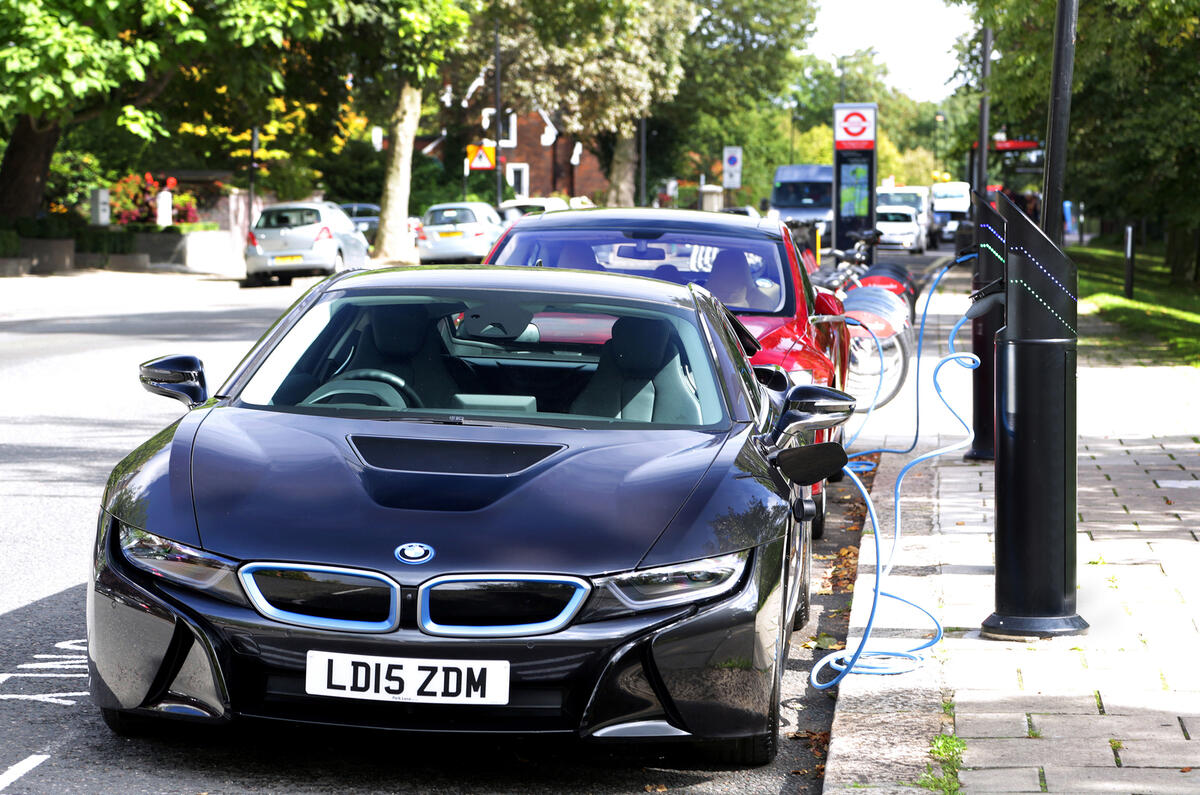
485, 605
323, 597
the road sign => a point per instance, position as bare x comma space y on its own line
731, 174
854, 127
481, 158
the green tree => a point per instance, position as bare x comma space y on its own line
380, 55
599, 66
67, 61
1134, 148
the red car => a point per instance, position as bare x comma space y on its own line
750, 264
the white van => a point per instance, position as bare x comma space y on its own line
916, 197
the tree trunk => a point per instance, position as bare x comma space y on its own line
25, 167
1181, 252
621, 172
392, 241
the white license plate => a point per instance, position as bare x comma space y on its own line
409, 679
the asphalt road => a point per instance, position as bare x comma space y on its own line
70, 408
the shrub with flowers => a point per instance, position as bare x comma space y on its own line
132, 200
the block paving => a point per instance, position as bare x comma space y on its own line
1114, 710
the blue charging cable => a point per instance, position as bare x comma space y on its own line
866, 466
879, 661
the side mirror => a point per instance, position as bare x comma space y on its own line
772, 376
180, 377
809, 407
811, 463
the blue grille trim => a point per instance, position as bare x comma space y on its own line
561, 621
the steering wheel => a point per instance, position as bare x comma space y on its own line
391, 379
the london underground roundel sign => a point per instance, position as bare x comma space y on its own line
854, 128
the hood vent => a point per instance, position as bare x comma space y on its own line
435, 456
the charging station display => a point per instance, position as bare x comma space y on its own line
854, 126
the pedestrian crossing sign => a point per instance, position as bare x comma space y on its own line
481, 158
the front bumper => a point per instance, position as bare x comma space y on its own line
696, 671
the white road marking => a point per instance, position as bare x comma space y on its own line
47, 698
72, 645
1179, 484
21, 768
74, 662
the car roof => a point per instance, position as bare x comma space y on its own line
470, 205
302, 206
650, 219
493, 277
895, 208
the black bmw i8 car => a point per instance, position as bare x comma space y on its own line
441, 499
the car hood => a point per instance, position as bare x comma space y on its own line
280, 486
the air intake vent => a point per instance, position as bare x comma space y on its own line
480, 605
323, 597
451, 458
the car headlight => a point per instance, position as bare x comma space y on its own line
181, 564
664, 586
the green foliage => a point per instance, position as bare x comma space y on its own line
10, 243
1157, 310
356, 173
1134, 142
104, 240
54, 226
60, 58
73, 176
947, 749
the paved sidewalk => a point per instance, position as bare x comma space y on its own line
1115, 710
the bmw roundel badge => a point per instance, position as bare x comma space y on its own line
414, 553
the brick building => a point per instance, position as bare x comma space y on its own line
535, 168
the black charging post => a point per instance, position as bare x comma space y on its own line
989, 274
1035, 438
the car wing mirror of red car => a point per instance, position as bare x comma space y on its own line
180, 377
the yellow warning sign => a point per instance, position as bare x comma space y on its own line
481, 158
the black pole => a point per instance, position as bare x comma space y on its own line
1062, 71
1128, 261
499, 124
642, 159
980, 175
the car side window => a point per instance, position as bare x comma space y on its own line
741, 361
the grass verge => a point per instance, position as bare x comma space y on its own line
1168, 314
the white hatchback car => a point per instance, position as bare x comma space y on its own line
900, 228
459, 232
302, 239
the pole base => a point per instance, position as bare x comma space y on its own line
1001, 627
980, 454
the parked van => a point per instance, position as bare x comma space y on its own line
916, 197
951, 204
804, 193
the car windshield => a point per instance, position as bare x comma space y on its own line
746, 274
893, 218
803, 194
287, 217
480, 356
449, 215
912, 200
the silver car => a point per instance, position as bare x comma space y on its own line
459, 232
302, 239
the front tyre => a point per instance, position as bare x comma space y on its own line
818, 521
